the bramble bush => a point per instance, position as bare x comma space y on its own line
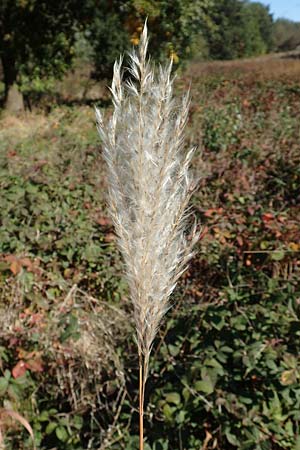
226, 369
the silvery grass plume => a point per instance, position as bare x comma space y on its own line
149, 189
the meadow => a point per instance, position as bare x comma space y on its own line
226, 370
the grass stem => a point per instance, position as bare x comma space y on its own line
141, 402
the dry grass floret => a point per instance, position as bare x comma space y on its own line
149, 189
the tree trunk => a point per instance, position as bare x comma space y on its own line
14, 102
13, 98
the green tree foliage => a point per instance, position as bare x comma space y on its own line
36, 38
174, 26
225, 39
106, 33
286, 34
257, 23
241, 29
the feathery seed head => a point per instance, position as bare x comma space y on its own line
149, 186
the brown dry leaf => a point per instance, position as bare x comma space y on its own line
110, 237
35, 365
208, 437
294, 246
23, 354
288, 377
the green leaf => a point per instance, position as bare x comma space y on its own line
44, 416
264, 245
3, 385
3, 354
290, 361
61, 433
21, 381
205, 386
180, 417
71, 330
77, 422
277, 256
173, 397
212, 362
173, 349
161, 445
186, 394
31, 188
217, 322
168, 411
50, 427
231, 438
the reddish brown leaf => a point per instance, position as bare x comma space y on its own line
103, 221
281, 219
36, 318
9, 258
11, 154
211, 211
19, 370
267, 217
26, 262
13, 342
240, 241
204, 231
16, 267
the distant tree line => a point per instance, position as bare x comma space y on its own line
286, 35
37, 37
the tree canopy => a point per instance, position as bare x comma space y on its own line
116, 25
242, 29
286, 35
37, 36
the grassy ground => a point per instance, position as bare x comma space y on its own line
226, 368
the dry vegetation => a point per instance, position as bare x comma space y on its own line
229, 371
269, 67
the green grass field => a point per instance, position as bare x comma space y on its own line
225, 369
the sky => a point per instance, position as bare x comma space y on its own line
289, 9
